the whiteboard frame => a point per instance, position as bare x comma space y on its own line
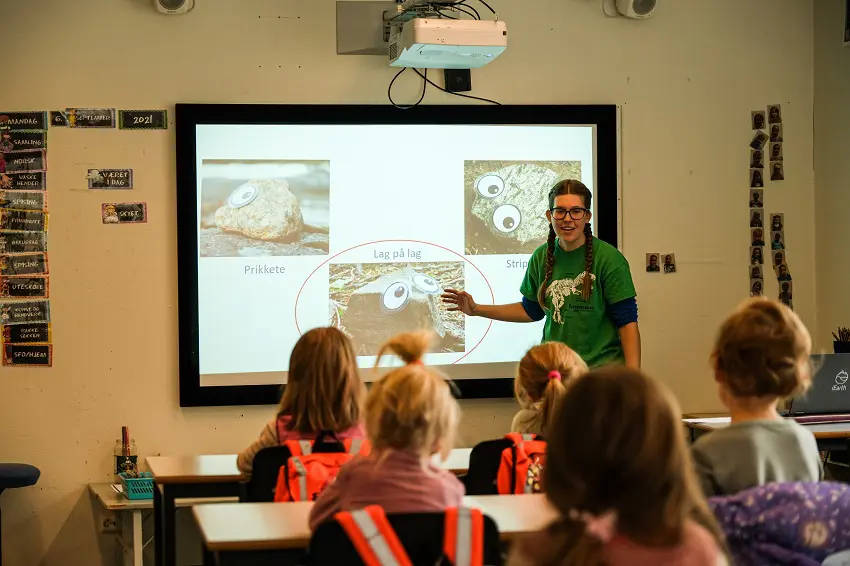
605, 118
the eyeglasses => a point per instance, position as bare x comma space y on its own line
576, 213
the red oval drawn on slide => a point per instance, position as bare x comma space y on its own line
492, 296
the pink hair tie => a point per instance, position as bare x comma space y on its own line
555, 374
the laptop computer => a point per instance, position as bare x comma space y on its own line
829, 396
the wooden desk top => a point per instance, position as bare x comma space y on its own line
457, 462
113, 501
222, 468
703, 415
195, 469
820, 430
515, 514
279, 526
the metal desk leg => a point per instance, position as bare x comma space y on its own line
169, 527
209, 556
138, 539
159, 550
132, 541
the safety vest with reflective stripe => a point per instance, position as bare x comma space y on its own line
378, 545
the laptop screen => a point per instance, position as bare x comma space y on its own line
830, 391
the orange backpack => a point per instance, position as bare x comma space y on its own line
378, 545
522, 464
312, 467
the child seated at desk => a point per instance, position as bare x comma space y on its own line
410, 416
761, 356
324, 392
542, 376
618, 472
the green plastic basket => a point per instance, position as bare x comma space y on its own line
137, 488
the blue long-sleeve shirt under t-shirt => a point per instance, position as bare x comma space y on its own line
621, 313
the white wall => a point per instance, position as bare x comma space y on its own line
832, 169
686, 80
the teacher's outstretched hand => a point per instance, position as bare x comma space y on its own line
581, 285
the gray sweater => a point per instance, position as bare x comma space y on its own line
753, 453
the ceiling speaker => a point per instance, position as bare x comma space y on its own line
171, 7
636, 9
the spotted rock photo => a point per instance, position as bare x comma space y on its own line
255, 208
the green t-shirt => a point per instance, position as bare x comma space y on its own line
583, 326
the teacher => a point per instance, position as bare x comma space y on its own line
581, 285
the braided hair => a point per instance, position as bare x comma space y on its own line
569, 187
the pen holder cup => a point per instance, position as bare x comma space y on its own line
841, 347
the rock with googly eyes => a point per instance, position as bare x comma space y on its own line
397, 302
263, 210
511, 202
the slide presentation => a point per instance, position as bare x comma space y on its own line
362, 227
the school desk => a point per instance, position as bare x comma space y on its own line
832, 435
256, 534
185, 477
130, 513
213, 476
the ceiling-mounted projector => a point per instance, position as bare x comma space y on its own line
433, 43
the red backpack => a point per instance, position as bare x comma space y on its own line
314, 464
522, 464
378, 545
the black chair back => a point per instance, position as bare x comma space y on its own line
420, 533
266, 468
484, 463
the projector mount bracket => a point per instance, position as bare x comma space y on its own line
407, 10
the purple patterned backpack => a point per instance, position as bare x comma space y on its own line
796, 523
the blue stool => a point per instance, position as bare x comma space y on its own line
15, 475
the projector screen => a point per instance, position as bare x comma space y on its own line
300, 221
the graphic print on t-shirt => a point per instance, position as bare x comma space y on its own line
560, 289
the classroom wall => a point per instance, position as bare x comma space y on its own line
832, 169
686, 81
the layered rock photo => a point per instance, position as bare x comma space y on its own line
371, 302
256, 208
506, 203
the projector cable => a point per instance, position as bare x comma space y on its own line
468, 10
485, 4
421, 97
462, 6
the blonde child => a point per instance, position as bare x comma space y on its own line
619, 474
760, 357
410, 416
542, 376
324, 393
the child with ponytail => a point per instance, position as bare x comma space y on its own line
543, 375
410, 416
619, 474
